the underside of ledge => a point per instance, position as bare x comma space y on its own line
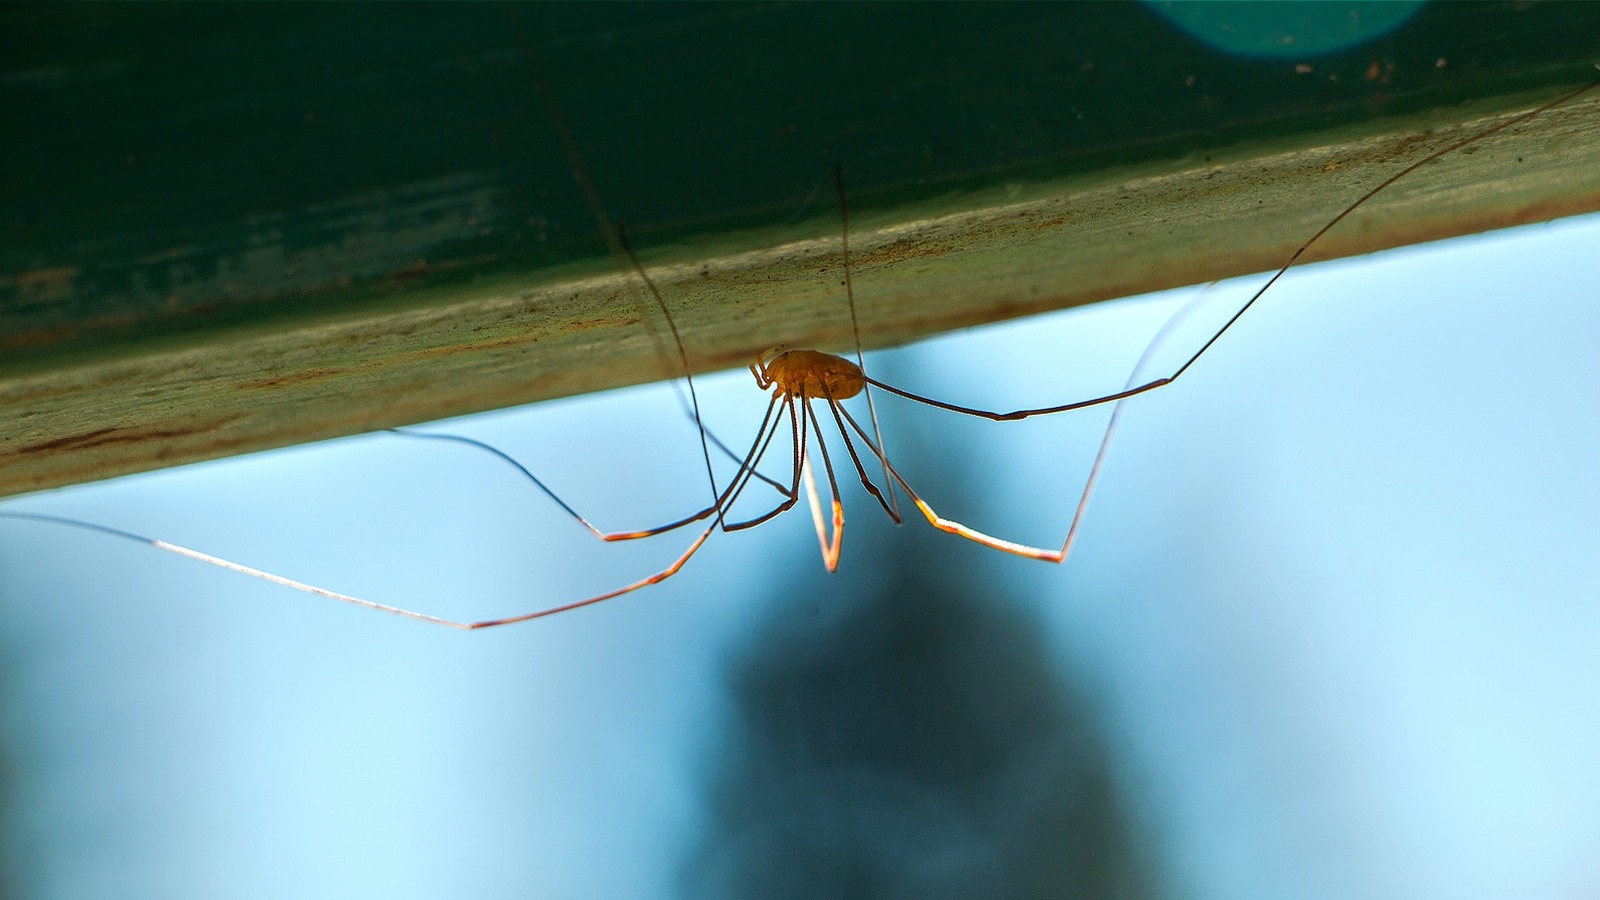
230, 237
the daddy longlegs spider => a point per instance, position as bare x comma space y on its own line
798, 379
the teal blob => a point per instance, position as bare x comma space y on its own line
1278, 30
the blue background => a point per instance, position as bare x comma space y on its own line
1335, 616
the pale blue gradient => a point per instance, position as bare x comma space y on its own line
1338, 601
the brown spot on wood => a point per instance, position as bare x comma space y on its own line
101, 438
107, 436
278, 381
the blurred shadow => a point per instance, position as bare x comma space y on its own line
11, 843
910, 738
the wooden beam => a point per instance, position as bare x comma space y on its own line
241, 230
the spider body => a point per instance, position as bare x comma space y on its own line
808, 374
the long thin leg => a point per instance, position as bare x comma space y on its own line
988, 540
830, 547
1161, 334
616, 238
567, 508
688, 411
657, 578
893, 507
815, 503
1056, 556
894, 513
1134, 391
739, 482
230, 565
950, 525
677, 340
793, 491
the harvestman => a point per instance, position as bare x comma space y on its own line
797, 379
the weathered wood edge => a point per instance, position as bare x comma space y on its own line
967, 259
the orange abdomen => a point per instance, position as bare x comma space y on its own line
815, 375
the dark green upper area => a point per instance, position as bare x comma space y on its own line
168, 168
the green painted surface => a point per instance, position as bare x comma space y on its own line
228, 227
